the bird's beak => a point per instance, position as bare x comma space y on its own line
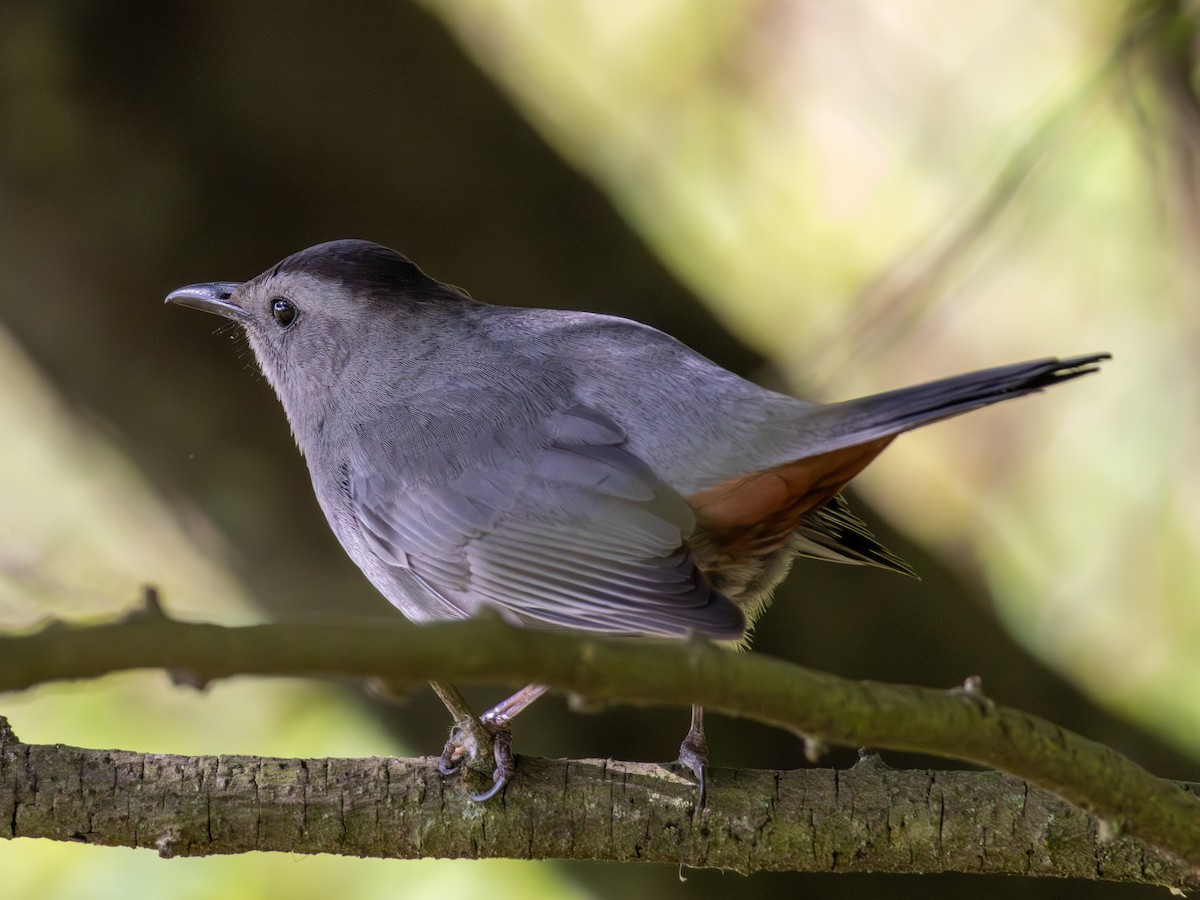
211, 298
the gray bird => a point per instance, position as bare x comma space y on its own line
566, 469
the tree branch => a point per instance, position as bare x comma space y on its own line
960, 724
866, 819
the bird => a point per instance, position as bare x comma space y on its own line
565, 469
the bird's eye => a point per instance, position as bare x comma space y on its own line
284, 311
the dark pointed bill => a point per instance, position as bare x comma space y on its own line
214, 297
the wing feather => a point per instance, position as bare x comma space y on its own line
570, 530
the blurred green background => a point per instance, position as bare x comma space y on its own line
831, 198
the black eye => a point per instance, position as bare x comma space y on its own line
283, 311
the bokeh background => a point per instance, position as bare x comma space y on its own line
830, 198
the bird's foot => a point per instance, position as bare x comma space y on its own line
502, 753
693, 754
464, 745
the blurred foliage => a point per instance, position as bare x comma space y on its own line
878, 195
80, 532
867, 193
80, 528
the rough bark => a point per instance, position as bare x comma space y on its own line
960, 723
866, 819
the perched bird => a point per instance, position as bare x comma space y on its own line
566, 469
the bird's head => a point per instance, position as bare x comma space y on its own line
323, 320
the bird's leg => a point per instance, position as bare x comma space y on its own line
693, 753
498, 720
472, 734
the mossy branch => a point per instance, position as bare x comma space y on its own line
866, 819
959, 724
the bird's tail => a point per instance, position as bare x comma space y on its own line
867, 419
797, 499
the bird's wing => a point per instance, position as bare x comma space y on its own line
565, 528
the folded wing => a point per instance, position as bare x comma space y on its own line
565, 528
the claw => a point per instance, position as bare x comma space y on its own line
505, 763
695, 757
446, 764
490, 792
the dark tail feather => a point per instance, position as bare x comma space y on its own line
866, 419
836, 534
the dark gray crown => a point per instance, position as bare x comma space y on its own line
365, 268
